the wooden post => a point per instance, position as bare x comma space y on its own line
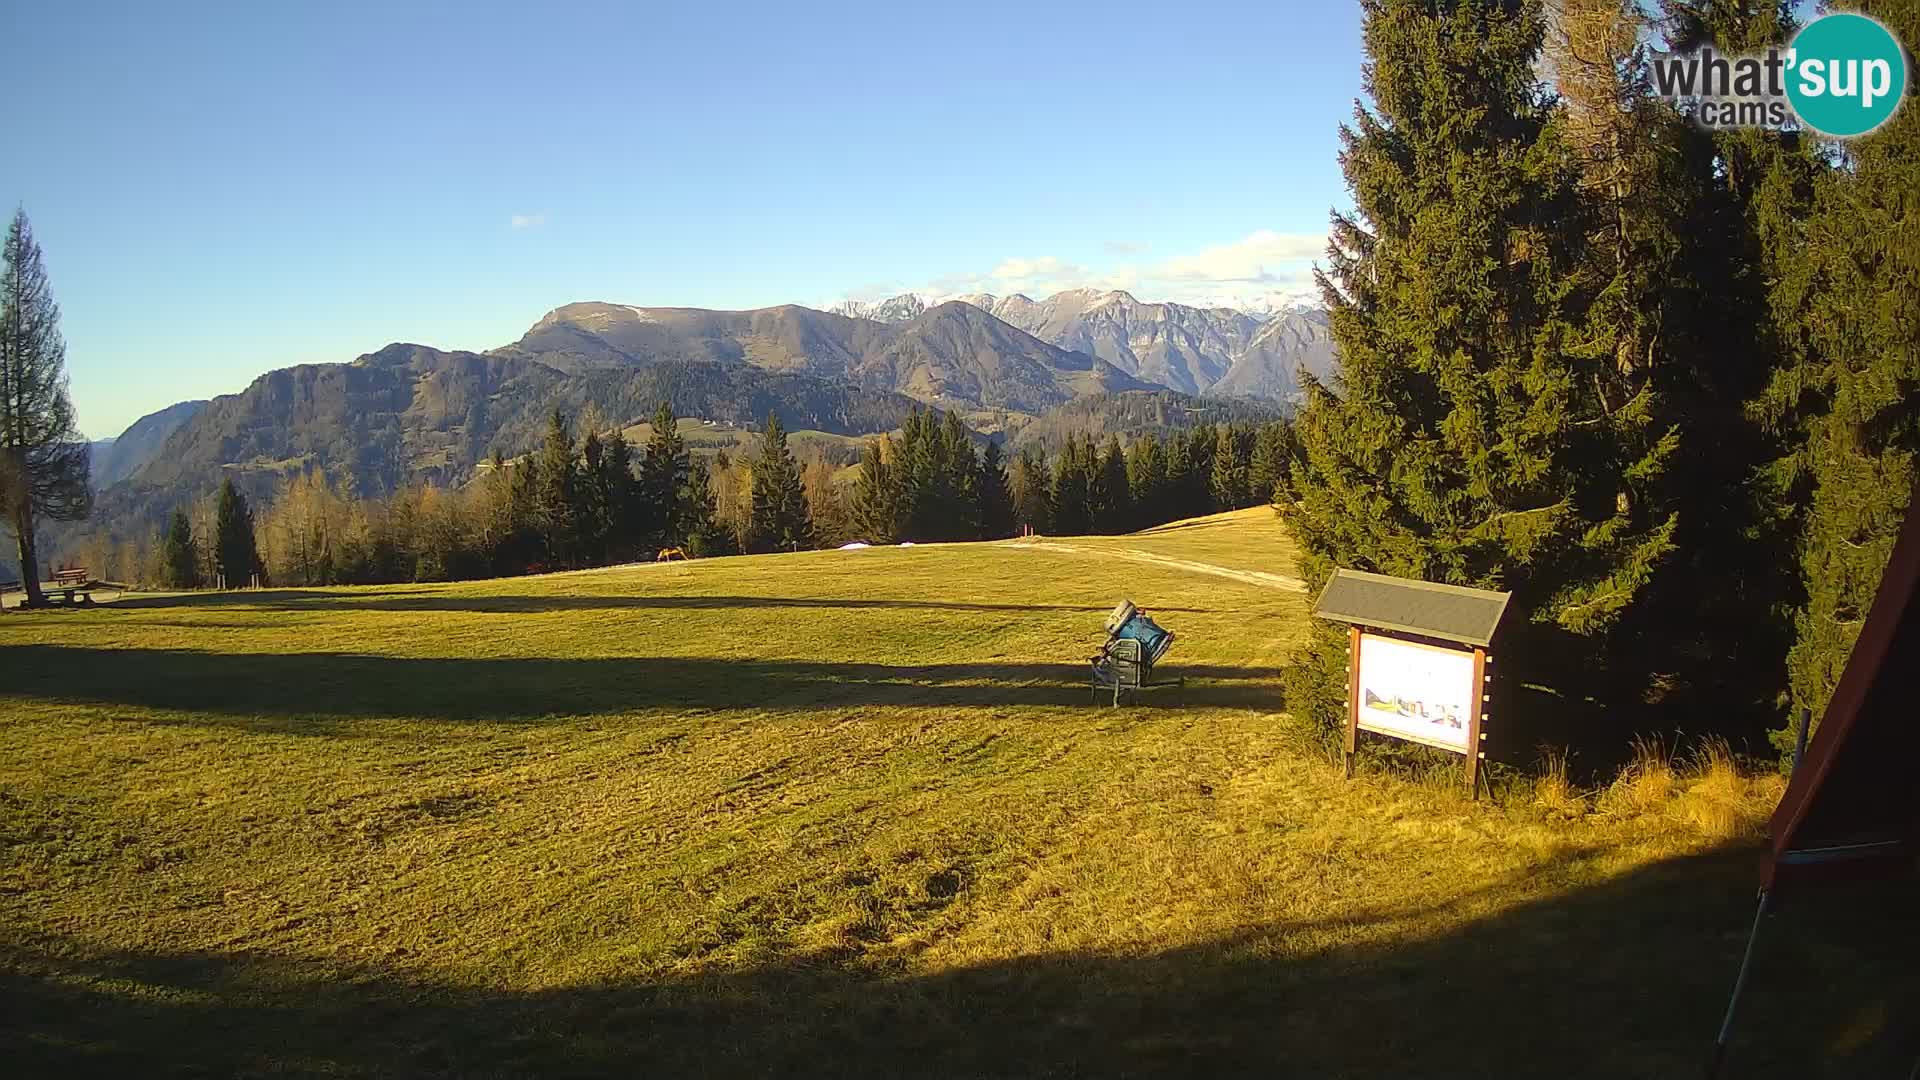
1474, 735
1353, 697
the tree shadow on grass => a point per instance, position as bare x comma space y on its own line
1626, 978
441, 600
266, 690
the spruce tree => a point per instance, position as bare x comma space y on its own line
625, 514
183, 567
597, 499
556, 494
45, 470
1468, 437
706, 536
1114, 513
780, 520
1031, 483
1675, 337
1847, 395
1183, 475
663, 476
236, 559
996, 499
1230, 480
960, 481
1072, 483
879, 497
1269, 464
1147, 480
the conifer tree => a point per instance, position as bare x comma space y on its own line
556, 494
996, 500
625, 516
183, 567
45, 471
1147, 480
596, 500
780, 521
1114, 513
1031, 485
1269, 464
1230, 479
663, 475
960, 483
706, 535
1847, 394
1468, 438
1199, 494
879, 497
1183, 475
236, 559
1072, 489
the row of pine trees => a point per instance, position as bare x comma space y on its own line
571, 503
1660, 381
592, 501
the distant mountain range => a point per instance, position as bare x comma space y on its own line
953, 355
1219, 351
409, 413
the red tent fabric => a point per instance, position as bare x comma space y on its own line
1853, 808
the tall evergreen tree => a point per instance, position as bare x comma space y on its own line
183, 567
879, 497
1269, 464
45, 471
996, 499
960, 481
780, 520
626, 514
597, 499
663, 476
1147, 480
1848, 393
1469, 438
236, 559
1031, 483
1674, 336
1113, 512
1183, 476
556, 494
1231, 479
706, 535
1072, 487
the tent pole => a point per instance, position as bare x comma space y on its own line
1739, 985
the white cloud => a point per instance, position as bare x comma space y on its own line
1262, 257
527, 221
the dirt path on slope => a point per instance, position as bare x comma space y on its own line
1249, 577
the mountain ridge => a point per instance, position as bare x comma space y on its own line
1196, 350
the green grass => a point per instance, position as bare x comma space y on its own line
832, 813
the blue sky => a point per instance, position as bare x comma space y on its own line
227, 191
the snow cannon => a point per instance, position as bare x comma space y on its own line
1127, 621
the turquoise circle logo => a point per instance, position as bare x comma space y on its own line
1847, 75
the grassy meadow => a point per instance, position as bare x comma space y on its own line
841, 813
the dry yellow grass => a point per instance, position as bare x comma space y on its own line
824, 813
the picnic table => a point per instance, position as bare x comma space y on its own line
72, 581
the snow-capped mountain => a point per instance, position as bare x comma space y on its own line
898, 309
1196, 350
